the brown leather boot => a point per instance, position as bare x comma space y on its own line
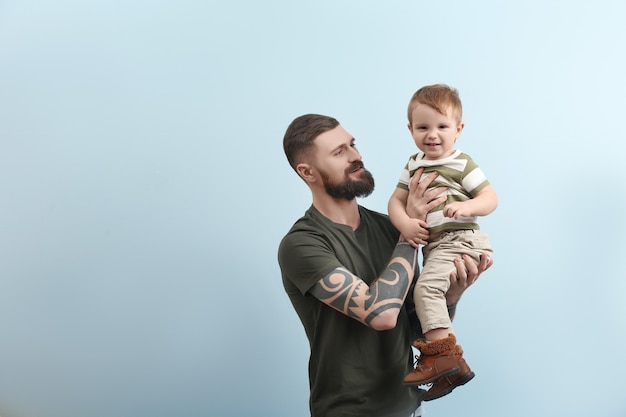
445, 385
436, 361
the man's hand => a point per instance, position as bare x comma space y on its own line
467, 272
420, 201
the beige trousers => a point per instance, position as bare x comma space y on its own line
434, 280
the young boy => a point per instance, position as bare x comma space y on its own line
435, 122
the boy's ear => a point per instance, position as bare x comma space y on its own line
459, 129
409, 126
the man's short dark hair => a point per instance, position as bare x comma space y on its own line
300, 134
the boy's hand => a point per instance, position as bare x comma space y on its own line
457, 209
415, 231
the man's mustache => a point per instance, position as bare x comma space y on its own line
355, 165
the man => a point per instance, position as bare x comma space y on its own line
347, 272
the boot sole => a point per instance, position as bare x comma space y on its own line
461, 381
451, 372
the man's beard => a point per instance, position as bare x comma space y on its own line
350, 189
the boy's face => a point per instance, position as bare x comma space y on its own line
434, 133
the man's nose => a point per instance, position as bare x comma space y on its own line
355, 155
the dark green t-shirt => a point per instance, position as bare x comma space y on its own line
353, 370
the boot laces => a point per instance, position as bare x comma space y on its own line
416, 361
416, 365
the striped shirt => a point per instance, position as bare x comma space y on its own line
463, 178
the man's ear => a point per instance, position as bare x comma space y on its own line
306, 172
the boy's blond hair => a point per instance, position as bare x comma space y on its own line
440, 97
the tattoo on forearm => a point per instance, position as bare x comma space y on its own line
347, 293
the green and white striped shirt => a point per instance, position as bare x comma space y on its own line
460, 174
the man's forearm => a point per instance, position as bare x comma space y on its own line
347, 293
394, 281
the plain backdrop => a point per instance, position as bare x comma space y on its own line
144, 191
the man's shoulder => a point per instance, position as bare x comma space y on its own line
311, 228
309, 221
314, 227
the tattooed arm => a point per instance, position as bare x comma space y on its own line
376, 305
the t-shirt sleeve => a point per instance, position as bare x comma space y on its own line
305, 258
405, 177
474, 180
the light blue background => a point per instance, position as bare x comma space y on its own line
144, 191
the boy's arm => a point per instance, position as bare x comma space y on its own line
483, 204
